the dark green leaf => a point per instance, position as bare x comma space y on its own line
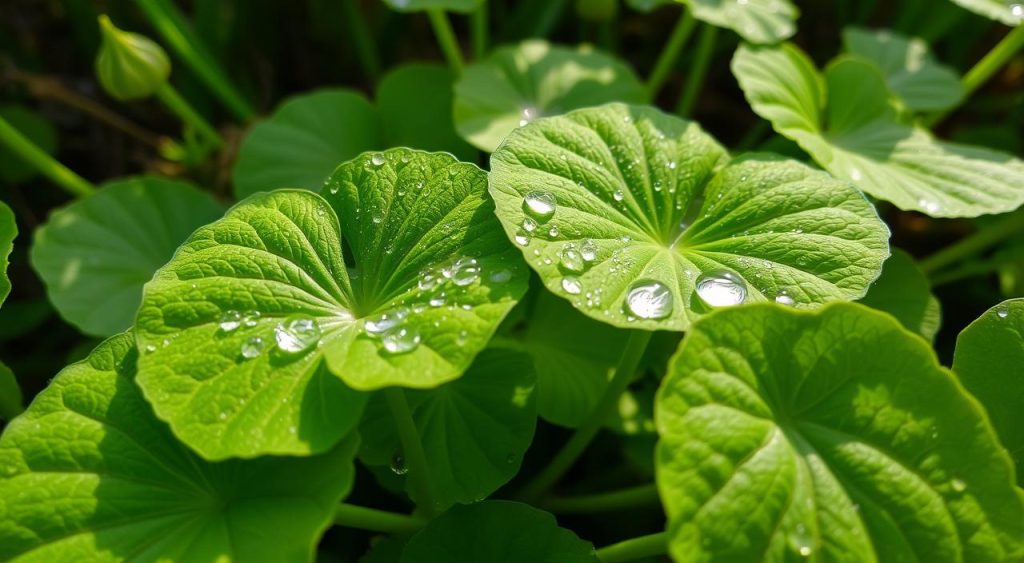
904, 292
8, 232
13, 169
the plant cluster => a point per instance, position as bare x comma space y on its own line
382, 351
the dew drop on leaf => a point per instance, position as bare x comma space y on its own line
398, 466
539, 205
618, 195
464, 271
230, 321
721, 288
588, 250
252, 347
297, 334
783, 298
529, 225
1002, 312
649, 299
438, 300
377, 159
427, 279
400, 339
501, 276
250, 318
572, 285
385, 321
522, 238
553, 231
571, 259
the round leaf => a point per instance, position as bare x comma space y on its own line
90, 475
1005, 11
474, 430
988, 359
8, 232
496, 531
857, 136
461, 6
832, 435
756, 21
95, 254
520, 83
238, 325
14, 169
904, 292
652, 195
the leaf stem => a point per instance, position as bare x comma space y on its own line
633, 497
479, 22
985, 68
635, 548
177, 104
973, 244
670, 53
363, 518
545, 21
705, 48
446, 38
412, 450
42, 162
174, 28
572, 449
357, 28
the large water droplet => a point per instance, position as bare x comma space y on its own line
572, 285
464, 271
571, 259
649, 299
540, 205
400, 340
398, 466
783, 298
385, 321
721, 288
588, 250
377, 159
1002, 312
230, 320
1017, 10
252, 347
297, 334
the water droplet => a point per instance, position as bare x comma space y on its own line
958, 485
377, 218
385, 321
510, 459
588, 250
672, 165
571, 259
649, 299
501, 276
783, 298
526, 115
400, 340
855, 174
150, 348
553, 231
929, 206
529, 225
427, 280
721, 288
252, 347
297, 334
377, 159
464, 271
398, 466
230, 320
806, 551
1017, 10
438, 300
1002, 312
572, 285
250, 318
618, 195
522, 238
333, 189
461, 339
541, 205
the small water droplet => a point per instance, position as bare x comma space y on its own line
398, 466
250, 318
427, 279
400, 340
526, 115
572, 285
529, 225
501, 276
571, 259
553, 231
783, 298
649, 299
618, 195
1002, 312
377, 218
540, 205
230, 321
806, 551
588, 250
672, 165
929, 206
461, 339
958, 485
333, 189
522, 238
150, 348
377, 159
252, 347
385, 321
721, 288
438, 300
297, 334
464, 271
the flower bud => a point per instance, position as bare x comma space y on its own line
129, 65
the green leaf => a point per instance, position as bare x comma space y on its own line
1009, 12
90, 475
10, 394
461, 6
14, 169
234, 388
910, 70
474, 430
756, 21
662, 213
8, 232
415, 103
856, 136
496, 531
833, 435
304, 140
904, 292
988, 359
95, 254
517, 84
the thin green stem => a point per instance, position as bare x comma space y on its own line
480, 28
545, 21
705, 48
974, 244
412, 451
636, 548
180, 106
579, 441
446, 38
175, 30
986, 67
670, 53
973, 269
358, 29
42, 162
363, 518
633, 497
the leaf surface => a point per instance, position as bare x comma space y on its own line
1008, 12
8, 232
756, 21
904, 292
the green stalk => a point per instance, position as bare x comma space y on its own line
974, 244
177, 104
973, 269
986, 67
634, 497
670, 53
174, 29
548, 17
446, 38
579, 441
352, 516
650, 545
357, 27
480, 28
705, 48
42, 162
412, 450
